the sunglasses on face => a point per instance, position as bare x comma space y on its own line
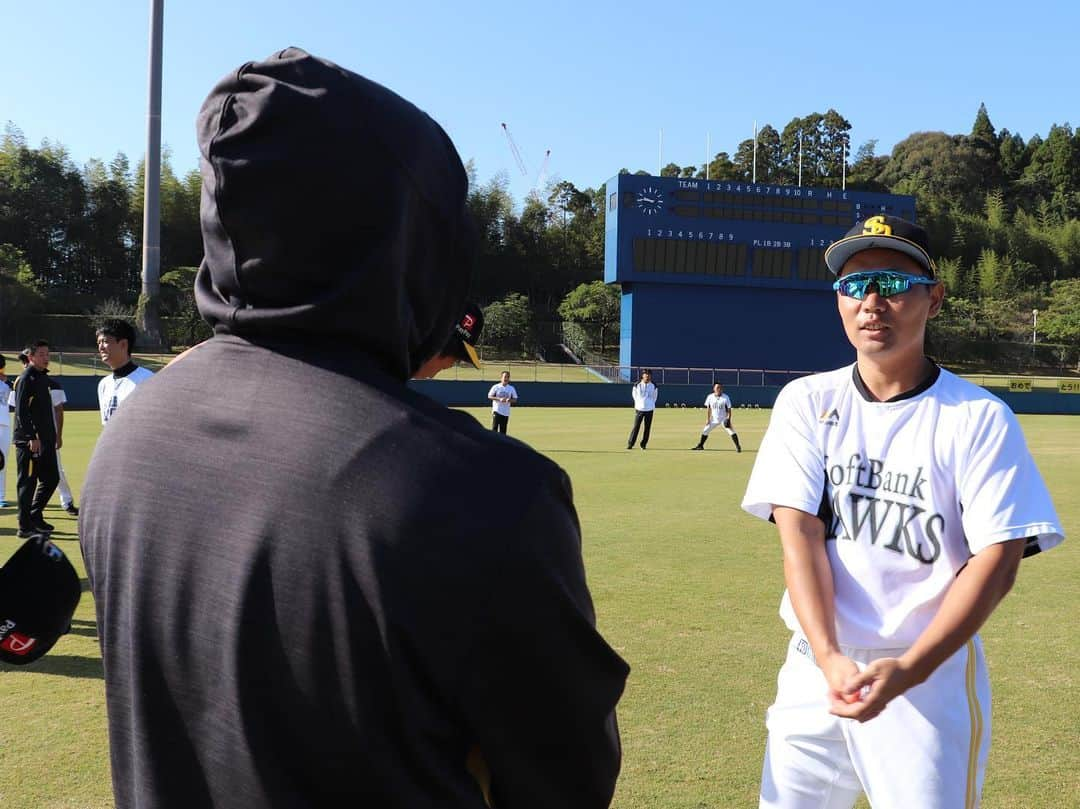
886, 282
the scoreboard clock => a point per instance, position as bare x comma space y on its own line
649, 200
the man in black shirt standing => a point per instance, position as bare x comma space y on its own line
35, 442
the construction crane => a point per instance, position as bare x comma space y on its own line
515, 150
542, 174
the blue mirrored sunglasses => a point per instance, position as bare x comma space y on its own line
887, 283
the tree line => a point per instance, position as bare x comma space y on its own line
1002, 213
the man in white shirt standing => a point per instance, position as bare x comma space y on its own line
718, 414
644, 394
5, 429
905, 498
115, 342
503, 396
59, 398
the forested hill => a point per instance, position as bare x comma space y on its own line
1003, 213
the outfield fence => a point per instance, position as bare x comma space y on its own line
609, 384
82, 363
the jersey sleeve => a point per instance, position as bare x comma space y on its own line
543, 684
789, 469
1002, 494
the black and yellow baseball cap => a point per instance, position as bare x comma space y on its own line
466, 335
887, 233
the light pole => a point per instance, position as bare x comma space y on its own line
1034, 324
147, 312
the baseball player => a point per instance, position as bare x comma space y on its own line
35, 442
59, 398
115, 342
905, 499
644, 394
503, 396
5, 429
718, 414
461, 345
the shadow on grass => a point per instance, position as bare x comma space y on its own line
62, 666
730, 450
87, 629
589, 451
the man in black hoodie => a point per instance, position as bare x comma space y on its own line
264, 644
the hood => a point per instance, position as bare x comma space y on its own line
331, 208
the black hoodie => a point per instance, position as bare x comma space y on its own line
315, 587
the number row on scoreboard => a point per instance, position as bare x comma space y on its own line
728, 260
747, 215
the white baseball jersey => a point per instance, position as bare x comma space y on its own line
501, 391
909, 490
59, 398
5, 439
644, 395
112, 390
719, 408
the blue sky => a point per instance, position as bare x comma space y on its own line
594, 82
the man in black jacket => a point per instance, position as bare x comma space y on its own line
35, 442
265, 644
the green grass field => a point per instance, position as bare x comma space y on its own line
686, 588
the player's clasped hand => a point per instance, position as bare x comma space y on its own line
864, 694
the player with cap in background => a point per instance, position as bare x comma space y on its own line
905, 499
460, 345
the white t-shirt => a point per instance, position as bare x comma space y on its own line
719, 407
112, 390
58, 398
909, 490
500, 391
644, 394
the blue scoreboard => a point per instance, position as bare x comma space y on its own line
719, 274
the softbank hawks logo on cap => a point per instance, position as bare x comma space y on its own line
14, 642
875, 226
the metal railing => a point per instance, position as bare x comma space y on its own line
82, 363
76, 363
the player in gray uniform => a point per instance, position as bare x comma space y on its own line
718, 414
905, 498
